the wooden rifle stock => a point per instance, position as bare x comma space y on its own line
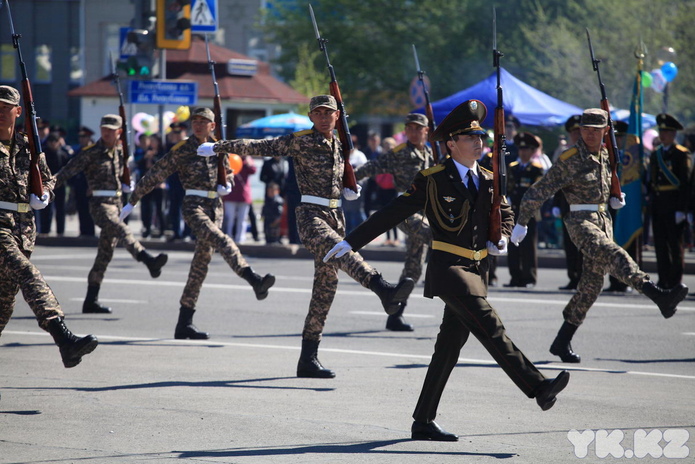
222, 158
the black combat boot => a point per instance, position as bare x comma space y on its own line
154, 264
396, 322
309, 364
260, 284
666, 300
561, 345
71, 348
185, 328
91, 302
391, 296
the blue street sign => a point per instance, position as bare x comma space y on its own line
163, 92
125, 49
204, 16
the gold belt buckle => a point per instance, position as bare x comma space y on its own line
23, 207
602, 207
212, 194
333, 203
476, 256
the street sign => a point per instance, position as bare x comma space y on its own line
126, 49
163, 92
204, 16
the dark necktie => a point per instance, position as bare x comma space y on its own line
471, 185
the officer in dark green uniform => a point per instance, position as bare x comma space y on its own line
458, 211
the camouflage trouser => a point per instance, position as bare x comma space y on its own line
592, 233
418, 239
204, 217
105, 212
17, 272
320, 229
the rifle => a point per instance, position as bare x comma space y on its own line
125, 177
428, 109
499, 147
222, 158
349, 180
30, 127
609, 139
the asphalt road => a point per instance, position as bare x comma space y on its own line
144, 397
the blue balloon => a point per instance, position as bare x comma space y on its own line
669, 70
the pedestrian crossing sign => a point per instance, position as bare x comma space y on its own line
204, 16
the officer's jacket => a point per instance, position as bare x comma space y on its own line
669, 172
195, 172
519, 179
14, 188
102, 167
454, 219
318, 162
403, 162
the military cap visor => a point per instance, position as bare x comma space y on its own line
667, 122
327, 101
111, 121
463, 120
9, 95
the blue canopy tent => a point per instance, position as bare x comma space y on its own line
273, 126
531, 106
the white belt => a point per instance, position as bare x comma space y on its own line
330, 202
202, 193
19, 207
106, 193
600, 208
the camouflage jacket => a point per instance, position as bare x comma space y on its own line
403, 162
318, 162
196, 172
14, 188
102, 167
583, 177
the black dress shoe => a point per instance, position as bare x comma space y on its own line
95, 307
548, 390
396, 323
572, 285
430, 431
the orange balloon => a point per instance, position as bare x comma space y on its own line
235, 163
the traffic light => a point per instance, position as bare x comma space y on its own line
139, 63
174, 24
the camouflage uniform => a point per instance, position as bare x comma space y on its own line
318, 166
203, 215
585, 179
18, 234
404, 162
103, 168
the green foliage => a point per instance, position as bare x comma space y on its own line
543, 41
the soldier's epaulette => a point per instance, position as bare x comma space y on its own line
400, 147
178, 145
89, 146
514, 163
303, 132
682, 148
536, 164
433, 170
569, 153
485, 169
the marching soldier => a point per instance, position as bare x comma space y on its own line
521, 174
583, 173
669, 172
319, 167
18, 235
103, 164
404, 162
203, 213
458, 212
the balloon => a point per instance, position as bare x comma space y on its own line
658, 81
168, 119
648, 138
669, 70
150, 124
235, 162
182, 113
137, 121
646, 79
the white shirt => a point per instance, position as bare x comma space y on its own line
463, 171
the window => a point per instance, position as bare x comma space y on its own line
76, 71
43, 64
8, 63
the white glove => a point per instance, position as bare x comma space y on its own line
557, 212
337, 251
617, 203
38, 203
127, 209
680, 215
518, 234
497, 250
128, 188
350, 195
205, 149
223, 190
